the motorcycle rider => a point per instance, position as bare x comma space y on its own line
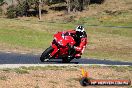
80, 37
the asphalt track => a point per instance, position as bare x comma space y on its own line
13, 58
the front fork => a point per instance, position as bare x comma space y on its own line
54, 51
69, 50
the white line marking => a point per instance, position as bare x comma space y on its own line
36, 54
43, 65
7, 52
23, 53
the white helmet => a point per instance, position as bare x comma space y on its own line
80, 28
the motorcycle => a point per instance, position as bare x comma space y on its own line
60, 48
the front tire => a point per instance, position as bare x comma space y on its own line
46, 53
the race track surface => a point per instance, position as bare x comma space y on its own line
13, 58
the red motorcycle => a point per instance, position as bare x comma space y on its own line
60, 48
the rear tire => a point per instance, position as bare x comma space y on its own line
46, 53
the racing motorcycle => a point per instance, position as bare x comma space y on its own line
61, 48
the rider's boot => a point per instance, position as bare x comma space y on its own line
77, 56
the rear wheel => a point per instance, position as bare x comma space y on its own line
46, 53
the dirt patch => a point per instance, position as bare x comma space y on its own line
61, 78
18, 49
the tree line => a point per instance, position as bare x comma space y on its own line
35, 7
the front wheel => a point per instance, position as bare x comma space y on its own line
46, 53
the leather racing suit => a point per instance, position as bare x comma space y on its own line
81, 42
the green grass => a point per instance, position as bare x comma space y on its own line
104, 42
25, 38
122, 69
21, 71
43, 68
26, 70
105, 19
6, 70
28, 34
3, 78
